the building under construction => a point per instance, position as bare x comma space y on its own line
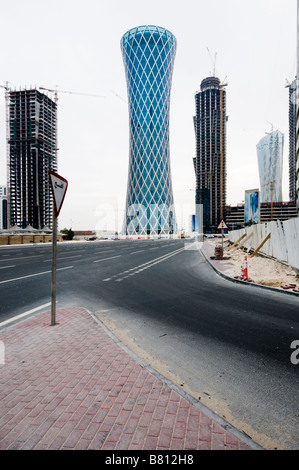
32, 140
210, 162
292, 140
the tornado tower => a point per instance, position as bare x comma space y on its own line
148, 55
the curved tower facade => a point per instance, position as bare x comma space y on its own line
270, 159
148, 55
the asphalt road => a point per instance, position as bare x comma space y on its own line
227, 344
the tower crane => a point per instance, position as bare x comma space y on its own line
271, 194
56, 91
7, 89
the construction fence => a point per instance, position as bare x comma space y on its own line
278, 239
24, 239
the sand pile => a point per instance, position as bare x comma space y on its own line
261, 270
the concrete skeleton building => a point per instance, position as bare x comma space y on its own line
148, 55
32, 141
210, 161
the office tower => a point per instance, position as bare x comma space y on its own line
210, 162
269, 154
292, 140
148, 54
32, 153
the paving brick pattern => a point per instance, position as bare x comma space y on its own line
71, 386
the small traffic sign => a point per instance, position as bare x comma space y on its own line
222, 225
59, 186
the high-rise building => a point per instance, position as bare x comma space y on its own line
32, 153
210, 161
148, 55
292, 140
3, 207
270, 159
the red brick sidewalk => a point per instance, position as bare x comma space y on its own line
71, 386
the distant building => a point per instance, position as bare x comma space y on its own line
210, 161
3, 207
269, 154
32, 153
235, 216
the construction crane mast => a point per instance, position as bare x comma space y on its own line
271, 183
7, 90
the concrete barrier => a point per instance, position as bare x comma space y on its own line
14, 240
27, 239
4, 240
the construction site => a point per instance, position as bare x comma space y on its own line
32, 146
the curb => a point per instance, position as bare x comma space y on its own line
244, 438
229, 278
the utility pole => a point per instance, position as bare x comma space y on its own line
297, 113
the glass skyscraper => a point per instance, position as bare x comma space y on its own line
270, 155
148, 55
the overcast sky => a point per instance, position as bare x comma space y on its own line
75, 46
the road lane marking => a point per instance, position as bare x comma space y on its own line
24, 314
105, 259
67, 257
62, 258
142, 267
5, 267
33, 275
134, 252
23, 257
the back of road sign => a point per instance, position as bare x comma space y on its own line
59, 186
222, 225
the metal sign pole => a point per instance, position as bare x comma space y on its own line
59, 186
54, 258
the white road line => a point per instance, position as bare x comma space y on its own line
23, 257
33, 275
67, 257
105, 259
24, 314
62, 258
133, 252
5, 267
141, 267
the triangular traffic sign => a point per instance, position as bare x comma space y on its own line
222, 225
59, 186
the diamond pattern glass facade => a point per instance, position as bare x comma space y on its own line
148, 55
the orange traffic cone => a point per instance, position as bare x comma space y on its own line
244, 270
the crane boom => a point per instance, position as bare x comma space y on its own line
70, 92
